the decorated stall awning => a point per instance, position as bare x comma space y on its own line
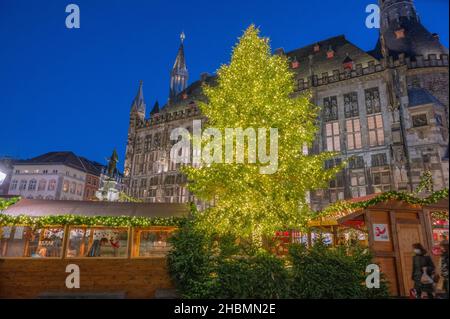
54, 212
346, 211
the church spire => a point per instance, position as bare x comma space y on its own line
138, 102
179, 74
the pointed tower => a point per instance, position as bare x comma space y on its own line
179, 75
402, 32
138, 104
137, 117
155, 109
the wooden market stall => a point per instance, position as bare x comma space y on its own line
394, 222
120, 248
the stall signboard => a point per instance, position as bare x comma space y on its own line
380, 232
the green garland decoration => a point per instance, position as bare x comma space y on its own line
115, 221
5, 203
439, 215
343, 208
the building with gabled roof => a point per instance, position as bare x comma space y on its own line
56, 175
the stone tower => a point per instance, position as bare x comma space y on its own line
137, 116
179, 75
402, 32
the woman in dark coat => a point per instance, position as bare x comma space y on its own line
422, 263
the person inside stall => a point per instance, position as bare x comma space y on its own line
95, 250
40, 252
422, 274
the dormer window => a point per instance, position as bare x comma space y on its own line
316, 48
330, 53
400, 33
295, 64
348, 63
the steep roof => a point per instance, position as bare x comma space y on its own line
343, 49
65, 158
417, 40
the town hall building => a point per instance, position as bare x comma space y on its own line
385, 111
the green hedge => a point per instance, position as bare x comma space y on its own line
204, 267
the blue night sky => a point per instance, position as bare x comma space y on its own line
64, 89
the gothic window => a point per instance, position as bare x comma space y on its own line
148, 143
181, 179
419, 120
351, 108
330, 109
381, 181
376, 130
331, 163
353, 134
332, 137
154, 181
138, 146
358, 184
337, 188
379, 160
152, 192
373, 104
144, 183
169, 180
157, 140
356, 162
169, 191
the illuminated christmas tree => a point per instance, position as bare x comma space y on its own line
256, 90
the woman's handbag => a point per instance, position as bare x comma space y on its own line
426, 279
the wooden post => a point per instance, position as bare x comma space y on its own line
425, 221
65, 242
398, 264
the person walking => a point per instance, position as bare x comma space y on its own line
422, 274
444, 265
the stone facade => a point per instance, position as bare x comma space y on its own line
385, 111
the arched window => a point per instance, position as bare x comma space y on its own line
32, 185
42, 185
52, 185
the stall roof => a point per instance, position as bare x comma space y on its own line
36, 207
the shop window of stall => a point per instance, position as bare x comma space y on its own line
440, 230
91, 242
22, 241
322, 235
151, 242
